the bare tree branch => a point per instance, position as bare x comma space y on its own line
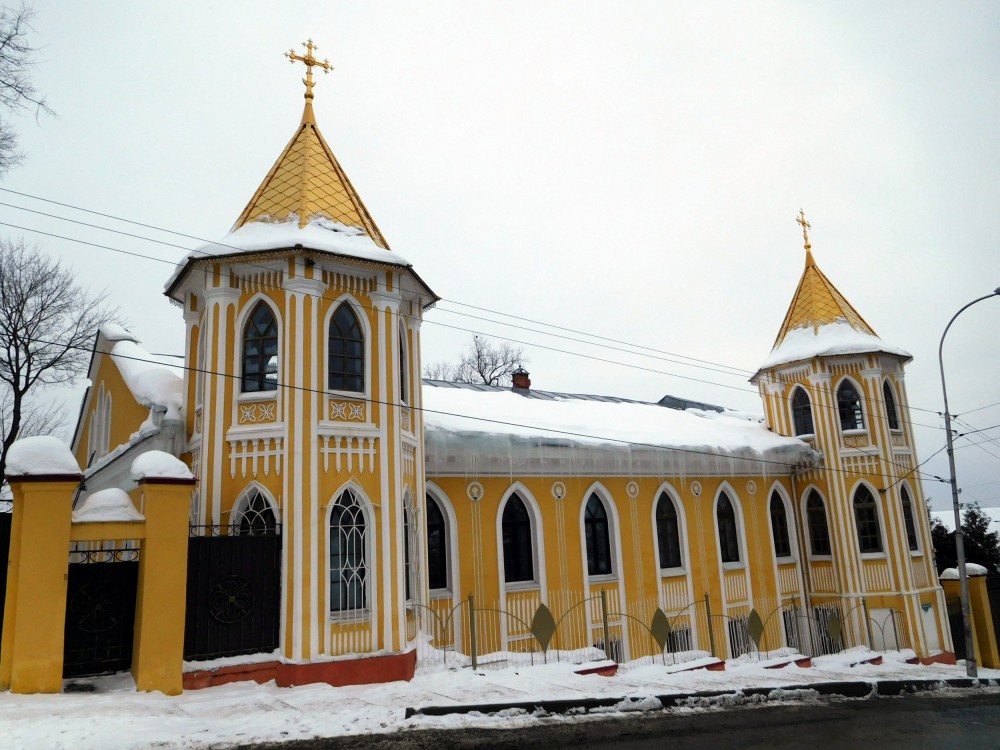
484, 362
47, 325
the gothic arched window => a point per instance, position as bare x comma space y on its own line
819, 531
890, 406
260, 351
346, 355
866, 518
597, 534
911, 528
403, 364
518, 562
437, 546
348, 554
254, 516
729, 545
779, 527
668, 532
849, 407
802, 415
408, 569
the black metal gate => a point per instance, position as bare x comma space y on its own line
5, 524
100, 611
233, 592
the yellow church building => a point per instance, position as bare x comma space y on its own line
395, 517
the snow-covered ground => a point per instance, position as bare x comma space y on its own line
115, 716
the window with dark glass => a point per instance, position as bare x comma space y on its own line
802, 414
890, 406
729, 545
911, 527
517, 549
668, 532
260, 351
596, 532
866, 518
255, 517
348, 563
779, 527
437, 546
402, 371
346, 358
819, 532
407, 560
849, 407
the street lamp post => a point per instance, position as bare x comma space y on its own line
970, 647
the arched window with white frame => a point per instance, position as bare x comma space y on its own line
518, 542
668, 533
348, 554
866, 520
849, 407
889, 399
779, 527
260, 350
912, 540
346, 351
437, 546
729, 536
816, 522
253, 515
404, 366
597, 533
802, 416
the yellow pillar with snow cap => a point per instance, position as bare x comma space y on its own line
43, 476
164, 495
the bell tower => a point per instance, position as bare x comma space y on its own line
861, 516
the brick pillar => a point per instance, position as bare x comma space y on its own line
161, 598
31, 651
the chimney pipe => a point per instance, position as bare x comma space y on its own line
521, 379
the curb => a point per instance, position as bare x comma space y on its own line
854, 689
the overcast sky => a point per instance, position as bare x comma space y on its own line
626, 169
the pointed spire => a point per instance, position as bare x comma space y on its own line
307, 180
817, 301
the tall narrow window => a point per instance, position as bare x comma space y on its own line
346, 357
260, 351
802, 414
866, 518
890, 406
348, 556
725, 515
254, 516
596, 532
849, 407
819, 531
517, 552
403, 365
779, 527
407, 555
911, 527
437, 546
668, 532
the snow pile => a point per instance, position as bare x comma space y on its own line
106, 506
320, 233
115, 332
827, 340
152, 381
159, 465
503, 412
971, 569
40, 455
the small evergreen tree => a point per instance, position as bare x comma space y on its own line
982, 546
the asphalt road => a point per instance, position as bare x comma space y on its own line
957, 720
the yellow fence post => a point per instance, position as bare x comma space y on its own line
161, 598
31, 650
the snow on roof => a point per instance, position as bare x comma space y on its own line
971, 569
115, 332
500, 411
153, 382
106, 506
40, 455
159, 465
825, 340
320, 233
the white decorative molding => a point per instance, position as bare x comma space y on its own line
253, 455
256, 413
558, 490
348, 411
348, 451
474, 491
304, 286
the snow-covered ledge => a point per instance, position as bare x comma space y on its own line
160, 466
971, 569
41, 456
107, 506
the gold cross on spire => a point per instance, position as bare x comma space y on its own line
310, 62
806, 226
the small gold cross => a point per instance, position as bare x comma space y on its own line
806, 226
310, 62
